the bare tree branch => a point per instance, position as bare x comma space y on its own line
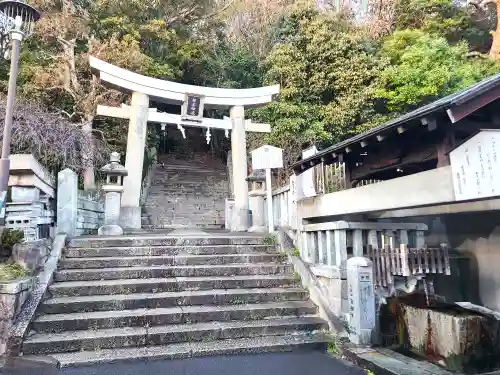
52, 139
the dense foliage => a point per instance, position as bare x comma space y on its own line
339, 76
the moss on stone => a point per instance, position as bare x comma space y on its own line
11, 271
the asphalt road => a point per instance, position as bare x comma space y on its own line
298, 363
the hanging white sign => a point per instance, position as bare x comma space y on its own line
475, 165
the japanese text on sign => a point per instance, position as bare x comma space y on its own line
474, 165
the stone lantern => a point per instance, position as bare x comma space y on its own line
113, 189
256, 197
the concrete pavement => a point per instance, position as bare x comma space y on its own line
295, 363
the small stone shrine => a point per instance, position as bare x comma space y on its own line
113, 189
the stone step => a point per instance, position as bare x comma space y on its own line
186, 208
162, 240
190, 169
181, 223
186, 190
185, 202
167, 250
171, 271
194, 216
54, 323
179, 182
75, 341
177, 176
158, 285
64, 305
153, 227
185, 214
168, 260
266, 344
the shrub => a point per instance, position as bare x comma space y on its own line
8, 239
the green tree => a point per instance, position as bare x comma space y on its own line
445, 18
424, 67
326, 71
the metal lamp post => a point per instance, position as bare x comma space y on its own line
16, 22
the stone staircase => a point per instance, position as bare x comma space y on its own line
187, 193
184, 294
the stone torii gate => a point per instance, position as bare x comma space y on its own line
193, 100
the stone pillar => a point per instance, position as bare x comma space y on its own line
130, 215
88, 173
67, 194
361, 300
239, 161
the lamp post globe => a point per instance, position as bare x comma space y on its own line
16, 22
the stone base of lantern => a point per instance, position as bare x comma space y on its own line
257, 229
256, 198
110, 230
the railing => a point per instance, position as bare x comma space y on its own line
329, 178
332, 177
332, 243
390, 261
285, 206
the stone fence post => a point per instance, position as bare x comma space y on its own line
67, 195
361, 300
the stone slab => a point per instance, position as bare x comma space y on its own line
155, 285
187, 350
168, 251
172, 271
110, 302
169, 334
388, 362
172, 315
176, 260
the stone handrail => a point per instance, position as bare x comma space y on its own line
146, 183
284, 207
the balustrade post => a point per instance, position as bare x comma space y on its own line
340, 238
357, 243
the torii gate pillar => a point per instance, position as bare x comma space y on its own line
239, 156
130, 215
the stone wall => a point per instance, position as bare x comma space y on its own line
31, 207
13, 296
90, 212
